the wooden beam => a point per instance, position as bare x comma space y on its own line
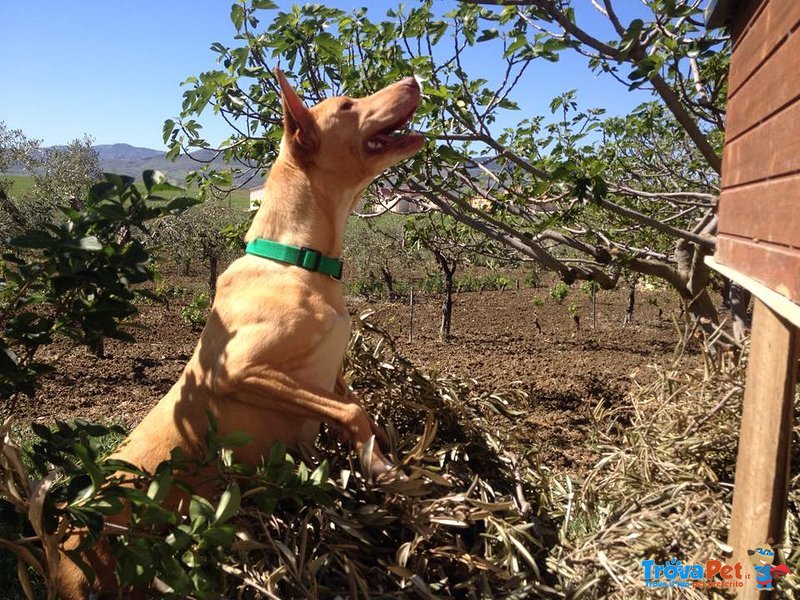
775, 301
762, 465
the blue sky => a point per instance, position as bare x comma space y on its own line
112, 68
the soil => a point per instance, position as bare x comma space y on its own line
494, 341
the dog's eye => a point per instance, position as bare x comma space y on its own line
346, 105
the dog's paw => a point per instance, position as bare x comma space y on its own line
375, 465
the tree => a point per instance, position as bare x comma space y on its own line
376, 242
451, 244
13, 145
564, 192
200, 233
61, 175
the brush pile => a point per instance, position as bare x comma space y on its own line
456, 526
663, 487
473, 516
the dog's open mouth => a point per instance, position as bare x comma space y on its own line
397, 136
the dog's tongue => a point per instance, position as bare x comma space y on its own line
383, 141
383, 138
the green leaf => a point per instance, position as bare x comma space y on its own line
237, 16
229, 503
166, 131
487, 34
236, 439
180, 204
201, 509
33, 239
90, 243
220, 536
160, 486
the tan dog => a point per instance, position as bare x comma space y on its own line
269, 359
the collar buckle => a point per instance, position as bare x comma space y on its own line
305, 252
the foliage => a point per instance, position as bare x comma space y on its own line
559, 292
479, 283
375, 245
74, 280
182, 552
589, 288
63, 174
58, 175
366, 288
196, 312
209, 233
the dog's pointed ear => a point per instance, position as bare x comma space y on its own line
298, 124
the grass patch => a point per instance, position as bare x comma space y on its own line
20, 184
238, 199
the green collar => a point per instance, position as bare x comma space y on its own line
306, 258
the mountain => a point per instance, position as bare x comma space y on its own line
108, 152
124, 159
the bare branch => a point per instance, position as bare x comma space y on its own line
700, 240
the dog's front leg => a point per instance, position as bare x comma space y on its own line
341, 388
268, 388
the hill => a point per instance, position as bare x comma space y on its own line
125, 159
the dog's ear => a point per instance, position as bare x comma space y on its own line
298, 124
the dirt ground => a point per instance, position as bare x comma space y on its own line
495, 341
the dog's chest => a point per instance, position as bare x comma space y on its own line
323, 363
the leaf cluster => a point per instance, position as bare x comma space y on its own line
86, 488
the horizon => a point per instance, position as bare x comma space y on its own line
118, 85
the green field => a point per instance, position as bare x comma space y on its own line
20, 184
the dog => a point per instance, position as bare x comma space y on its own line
269, 359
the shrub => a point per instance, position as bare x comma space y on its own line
75, 280
182, 551
559, 292
366, 288
196, 312
589, 287
432, 284
533, 278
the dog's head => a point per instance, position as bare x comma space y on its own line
350, 140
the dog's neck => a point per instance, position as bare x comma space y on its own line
300, 212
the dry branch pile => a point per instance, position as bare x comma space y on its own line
472, 520
663, 487
453, 527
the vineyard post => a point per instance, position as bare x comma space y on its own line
411, 314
